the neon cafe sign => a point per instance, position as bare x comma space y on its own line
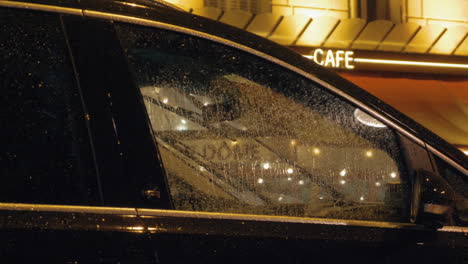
345, 59
333, 58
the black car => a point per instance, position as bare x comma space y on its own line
132, 132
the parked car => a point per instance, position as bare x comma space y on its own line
132, 132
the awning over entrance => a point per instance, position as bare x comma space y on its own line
438, 103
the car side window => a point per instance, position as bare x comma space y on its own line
459, 182
239, 134
45, 154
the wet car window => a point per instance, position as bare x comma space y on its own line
459, 183
45, 155
238, 134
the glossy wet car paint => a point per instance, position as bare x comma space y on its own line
121, 223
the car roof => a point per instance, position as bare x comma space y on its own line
163, 12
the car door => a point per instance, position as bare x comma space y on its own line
50, 196
263, 164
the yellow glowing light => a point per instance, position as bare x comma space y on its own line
412, 63
390, 62
202, 169
342, 182
361, 198
293, 142
331, 58
290, 170
136, 228
183, 121
343, 173
234, 142
181, 128
260, 180
205, 104
301, 182
289, 179
321, 197
266, 165
369, 153
316, 151
393, 175
378, 184
398, 62
280, 198
165, 100
133, 5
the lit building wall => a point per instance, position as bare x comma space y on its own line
340, 9
253, 6
402, 26
446, 13
187, 4
449, 13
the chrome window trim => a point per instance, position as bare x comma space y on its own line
67, 208
289, 219
454, 229
446, 159
41, 7
151, 23
273, 218
161, 213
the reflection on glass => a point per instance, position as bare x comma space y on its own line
367, 119
343, 173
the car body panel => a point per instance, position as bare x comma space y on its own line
168, 236
211, 237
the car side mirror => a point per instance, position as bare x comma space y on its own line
432, 200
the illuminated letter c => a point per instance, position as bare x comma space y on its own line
316, 53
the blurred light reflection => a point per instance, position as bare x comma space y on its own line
343, 173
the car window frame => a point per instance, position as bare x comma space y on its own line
132, 29
223, 41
